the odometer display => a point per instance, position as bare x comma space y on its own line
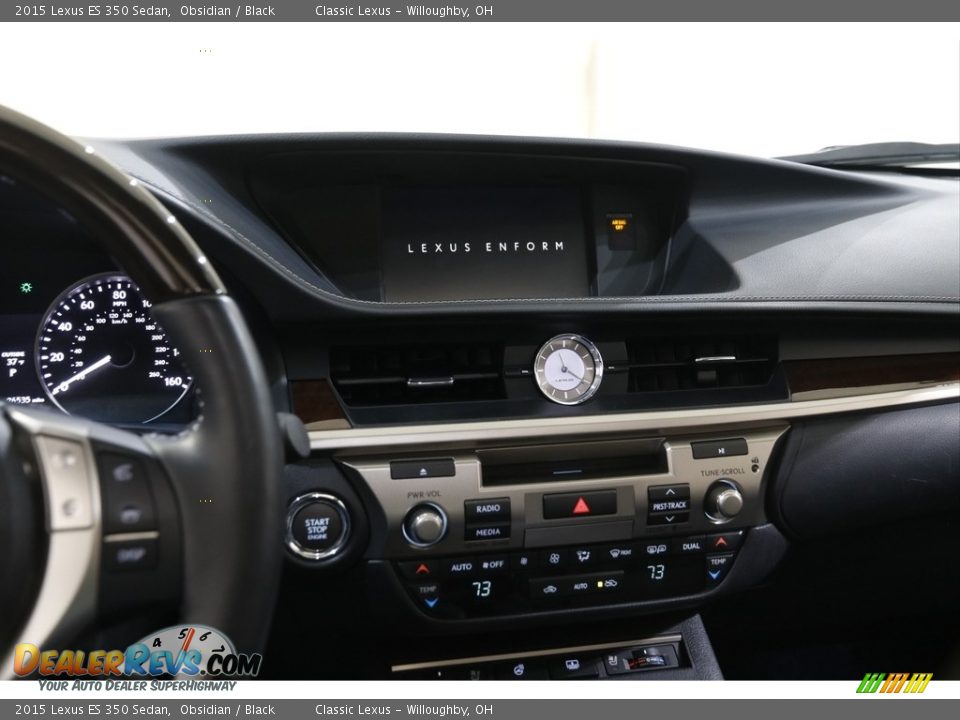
102, 356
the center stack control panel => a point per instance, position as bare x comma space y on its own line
512, 530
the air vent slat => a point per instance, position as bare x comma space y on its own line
410, 375
670, 365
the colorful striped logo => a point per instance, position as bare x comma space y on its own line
894, 682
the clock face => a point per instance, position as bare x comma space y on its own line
568, 369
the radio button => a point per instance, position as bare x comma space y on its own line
481, 511
575, 505
490, 531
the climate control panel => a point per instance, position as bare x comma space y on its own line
492, 530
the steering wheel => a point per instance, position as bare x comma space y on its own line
208, 548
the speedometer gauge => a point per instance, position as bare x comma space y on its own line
102, 356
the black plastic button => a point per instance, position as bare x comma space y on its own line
522, 670
594, 584
127, 501
483, 511
419, 569
546, 589
718, 566
724, 542
718, 448
554, 559
616, 554
662, 506
426, 468
490, 531
523, 561
317, 527
131, 555
667, 518
654, 548
574, 667
493, 564
667, 492
427, 594
690, 545
584, 557
575, 505
459, 567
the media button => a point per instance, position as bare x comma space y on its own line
490, 531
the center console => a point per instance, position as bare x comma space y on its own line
502, 531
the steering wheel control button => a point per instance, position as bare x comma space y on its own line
579, 505
724, 542
131, 555
427, 468
723, 501
425, 525
482, 511
718, 566
127, 501
318, 526
70, 498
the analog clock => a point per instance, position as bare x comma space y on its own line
568, 369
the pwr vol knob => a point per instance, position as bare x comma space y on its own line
425, 525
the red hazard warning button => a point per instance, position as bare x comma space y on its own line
570, 505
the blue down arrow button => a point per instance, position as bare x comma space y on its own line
718, 566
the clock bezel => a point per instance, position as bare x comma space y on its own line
540, 360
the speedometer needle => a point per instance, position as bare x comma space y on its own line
65, 385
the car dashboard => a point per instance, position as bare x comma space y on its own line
575, 409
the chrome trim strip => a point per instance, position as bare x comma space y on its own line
715, 359
698, 420
659, 640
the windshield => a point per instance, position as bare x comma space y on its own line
758, 89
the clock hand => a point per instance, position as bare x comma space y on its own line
65, 385
568, 372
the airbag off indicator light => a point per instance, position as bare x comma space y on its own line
621, 231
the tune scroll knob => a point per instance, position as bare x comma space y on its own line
425, 525
723, 502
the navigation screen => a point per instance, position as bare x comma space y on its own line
482, 244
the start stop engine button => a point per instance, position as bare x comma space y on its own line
318, 526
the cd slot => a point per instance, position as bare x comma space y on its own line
572, 462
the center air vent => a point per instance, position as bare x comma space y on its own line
415, 374
666, 365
